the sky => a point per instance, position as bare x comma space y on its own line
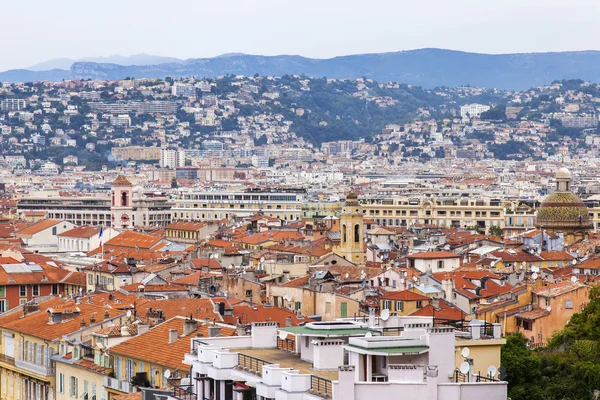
41, 30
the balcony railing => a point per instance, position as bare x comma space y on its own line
184, 392
7, 359
459, 377
35, 368
118, 385
321, 387
251, 364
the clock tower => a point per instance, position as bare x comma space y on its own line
121, 205
352, 236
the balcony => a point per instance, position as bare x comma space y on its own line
120, 386
7, 359
184, 392
42, 370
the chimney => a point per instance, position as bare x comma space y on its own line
371, 317
82, 324
288, 321
173, 335
189, 325
30, 308
92, 318
125, 330
106, 314
143, 328
435, 303
214, 331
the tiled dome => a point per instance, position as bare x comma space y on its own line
564, 209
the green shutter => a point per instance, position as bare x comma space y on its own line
344, 310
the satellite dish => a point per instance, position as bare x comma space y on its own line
502, 374
465, 352
128, 314
167, 373
262, 260
491, 371
465, 367
347, 276
535, 269
534, 275
573, 279
283, 335
368, 334
402, 281
574, 262
385, 314
493, 263
415, 278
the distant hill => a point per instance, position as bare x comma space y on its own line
134, 59
423, 67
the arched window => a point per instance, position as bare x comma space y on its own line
344, 233
356, 233
113, 198
124, 199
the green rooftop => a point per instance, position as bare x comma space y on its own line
303, 330
394, 350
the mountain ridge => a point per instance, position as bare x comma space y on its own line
428, 67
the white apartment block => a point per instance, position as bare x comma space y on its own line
285, 204
343, 360
172, 158
473, 110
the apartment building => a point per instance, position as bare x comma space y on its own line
13, 104
443, 212
206, 205
136, 153
172, 158
343, 360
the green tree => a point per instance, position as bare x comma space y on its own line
495, 230
522, 368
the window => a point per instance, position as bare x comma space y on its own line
128, 370
2, 291
569, 304
23, 291
387, 304
248, 293
36, 290
90, 279
440, 264
297, 305
419, 304
356, 233
55, 288
400, 306
54, 231
344, 233
527, 325
343, 309
73, 392
2, 306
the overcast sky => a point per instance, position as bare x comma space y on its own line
39, 30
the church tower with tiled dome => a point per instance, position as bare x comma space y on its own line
564, 212
352, 243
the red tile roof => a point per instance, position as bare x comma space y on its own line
404, 295
38, 227
86, 231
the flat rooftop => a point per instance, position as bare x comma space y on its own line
287, 360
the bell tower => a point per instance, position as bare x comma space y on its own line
352, 231
121, 203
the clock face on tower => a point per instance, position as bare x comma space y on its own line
124, 217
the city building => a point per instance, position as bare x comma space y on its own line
13, 104
136, 153
142, 208
352, 242
473, 110
285, 204
172, 158
341, 360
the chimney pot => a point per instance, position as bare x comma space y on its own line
189, 325
214, 331
173, 335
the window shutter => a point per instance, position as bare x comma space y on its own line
71, 386
20, 350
